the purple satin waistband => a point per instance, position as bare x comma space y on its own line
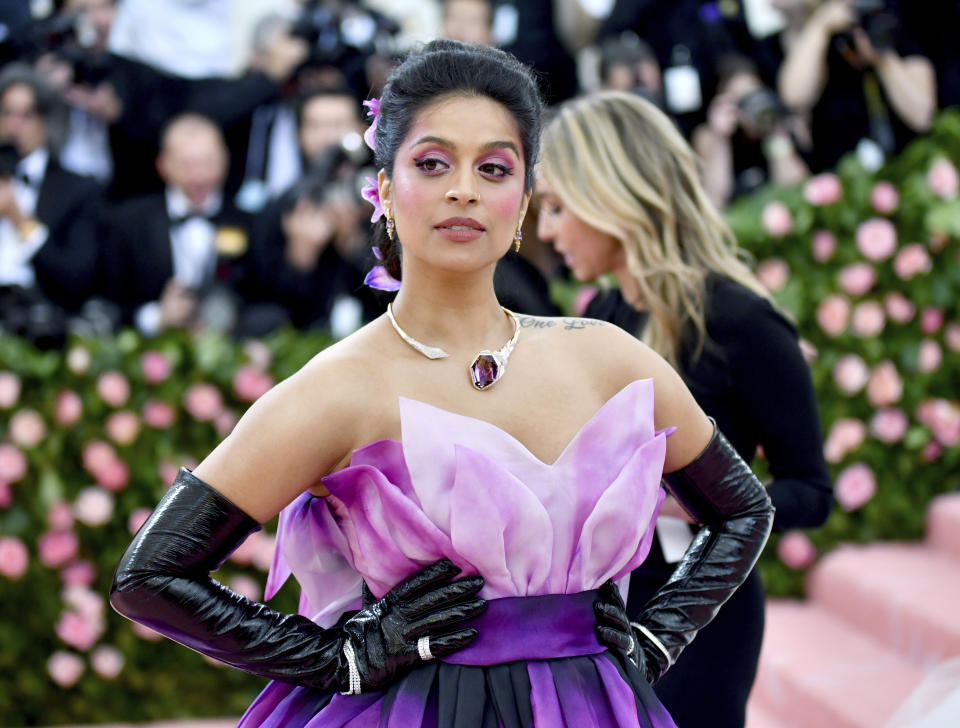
532, 628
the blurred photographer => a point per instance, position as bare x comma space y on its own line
628, 63
749, 138
48, 216
308, 253
867, 84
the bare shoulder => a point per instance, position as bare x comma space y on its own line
297, 432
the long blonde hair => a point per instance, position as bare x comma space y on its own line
620, 165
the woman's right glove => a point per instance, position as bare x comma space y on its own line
719, 490
163, 582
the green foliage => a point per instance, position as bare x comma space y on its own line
52, 407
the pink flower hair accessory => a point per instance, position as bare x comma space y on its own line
373, 111
371, 193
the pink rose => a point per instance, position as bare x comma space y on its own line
243, 555
929, 357
823, 245
824, 189
76, 631
951, 335
846, 435
60, 516
912, 260
114, 477
14, 557
69, 408
857, 278
889, 425
931, 452
27, 428
885, 386
123, 427
79, 573
137, 518
833, 314
65, 668
795, 550
899, 308
931, 319
773, 273
809, 351
942, 418
97, 455
776, 219
263, 552
107, 662
868, 319
249, 383
876, 239
167, 471
850, 374
113, 388
6, 495
203, 401
145, 633
884, 198
224, 422
13, 464
246, 586
159, 415
9, 390
56, 548
258, 354
156, 367
856, 484
93, 506
943, 179
78, 360
86, 602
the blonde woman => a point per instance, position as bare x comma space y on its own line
619, 194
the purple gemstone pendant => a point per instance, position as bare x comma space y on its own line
486, 369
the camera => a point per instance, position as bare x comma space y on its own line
334, 32
877, 21
761, 109
9, 158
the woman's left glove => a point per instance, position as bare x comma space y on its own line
163, 582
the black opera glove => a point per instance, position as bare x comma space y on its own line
720, 491
163, 581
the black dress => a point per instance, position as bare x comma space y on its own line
752, 379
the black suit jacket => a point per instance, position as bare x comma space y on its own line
70, 205
139, 252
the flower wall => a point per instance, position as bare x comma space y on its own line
868, 264
89, 440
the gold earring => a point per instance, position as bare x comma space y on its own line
390, 227
517, 239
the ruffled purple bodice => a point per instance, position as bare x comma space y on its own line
462, 488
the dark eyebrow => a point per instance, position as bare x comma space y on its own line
485, 148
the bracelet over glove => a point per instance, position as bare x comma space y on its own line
163, 581
720, 491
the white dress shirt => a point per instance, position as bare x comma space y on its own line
16, 253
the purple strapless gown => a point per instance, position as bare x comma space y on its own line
542, 535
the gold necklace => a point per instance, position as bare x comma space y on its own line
487, 367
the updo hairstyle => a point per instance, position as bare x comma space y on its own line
441, 68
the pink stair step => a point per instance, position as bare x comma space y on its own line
943, 524
906, 596
757, 717
816, 671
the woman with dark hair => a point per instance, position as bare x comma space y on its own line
620, 194
387, 456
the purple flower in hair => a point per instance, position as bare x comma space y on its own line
373, 111
381, 280
371, 194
